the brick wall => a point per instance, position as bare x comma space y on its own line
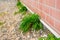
49, 10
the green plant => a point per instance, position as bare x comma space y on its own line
19, 4
30, 22
21, 8
42, 38
49, 37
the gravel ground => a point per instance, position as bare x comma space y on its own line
9, 30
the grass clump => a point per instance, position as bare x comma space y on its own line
49, 37
19, 4
30, 22
21, 8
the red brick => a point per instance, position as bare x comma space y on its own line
49, 2
49, 20
43, 1
34, 3
58, 4
55, 14
45, 9
40, 1
40, 6
57, 26
42, 15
